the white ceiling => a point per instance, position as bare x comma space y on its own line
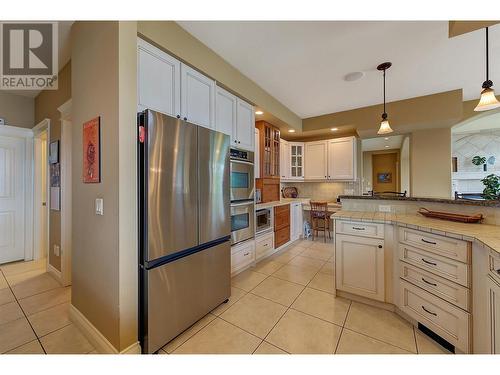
302, 64
379, 143
489, 121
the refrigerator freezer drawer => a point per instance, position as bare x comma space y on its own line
183, 291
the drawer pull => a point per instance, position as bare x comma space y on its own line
246, 254
498, 271
428, 282
426, 261
266, 245
429, 242
358, 228
428, 312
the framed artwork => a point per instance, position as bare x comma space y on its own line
54, 152
92, 151
384, 178
55, 175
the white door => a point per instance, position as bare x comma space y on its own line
158, 80
315, 160
284, 159
197, 98
225, 112
493, 319
12, 196
360, 265
245, 125
297, 221
341, 159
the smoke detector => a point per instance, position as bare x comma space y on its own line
354, 76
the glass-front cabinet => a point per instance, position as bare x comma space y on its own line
296, 160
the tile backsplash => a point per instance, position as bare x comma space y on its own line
327, 191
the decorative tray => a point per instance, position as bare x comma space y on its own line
289, 192
476, 218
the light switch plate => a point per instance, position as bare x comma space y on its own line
57, 250
99, 206
384, 208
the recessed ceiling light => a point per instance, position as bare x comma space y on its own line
259, 112
354, 76
291, 131
334, 129
386, 146
386, 138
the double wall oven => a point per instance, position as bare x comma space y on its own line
242, 196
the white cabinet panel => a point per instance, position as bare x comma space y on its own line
296, 222
360, 266
245, 125
296, 160
158, 80
284, 159
197, 98
316, 160
494, 315
242, 255
342, 158
225, 111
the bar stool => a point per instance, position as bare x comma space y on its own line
320, 215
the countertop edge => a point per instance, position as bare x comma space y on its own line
485, 203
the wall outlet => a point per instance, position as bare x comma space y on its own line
384, 208
99, 206
57, 250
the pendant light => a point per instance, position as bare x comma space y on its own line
385, 128
488, 100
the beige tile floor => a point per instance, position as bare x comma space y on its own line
285, 305
34, 312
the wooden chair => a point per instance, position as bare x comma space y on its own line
320, 215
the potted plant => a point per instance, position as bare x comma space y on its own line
491, 187
478, 160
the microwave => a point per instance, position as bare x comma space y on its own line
263, 220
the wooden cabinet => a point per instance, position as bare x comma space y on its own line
297, 222
281, 225
493, 315
269, 148
360, 265
269, 189
197, 98
225, 112
158, 80
243, 132
257, 154
342, 159
284, 160
316, 167
296, 160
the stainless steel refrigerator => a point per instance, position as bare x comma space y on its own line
184, 225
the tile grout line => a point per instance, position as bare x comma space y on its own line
25, 316
415, 338
342, 329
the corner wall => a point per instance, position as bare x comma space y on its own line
17, 110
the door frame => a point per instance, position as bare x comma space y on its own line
27, 135
66, 192
41, 127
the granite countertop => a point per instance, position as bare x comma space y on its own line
305, 203
485, 203
485, 234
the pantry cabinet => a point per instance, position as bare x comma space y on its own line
493, 315
316, 160
284, 159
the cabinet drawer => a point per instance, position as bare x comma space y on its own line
264, 245
448, 247
357, 228
281, 236
283, 208
445, 267
494, 265
242, 255
447, 290
448, 321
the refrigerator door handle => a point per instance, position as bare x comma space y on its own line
240, 204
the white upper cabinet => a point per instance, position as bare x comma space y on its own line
197, 98
296, 160
284, 159
158, 80
342, 158
316, 160
225, 112
243, 132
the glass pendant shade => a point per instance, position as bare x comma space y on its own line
487, 101
385, 128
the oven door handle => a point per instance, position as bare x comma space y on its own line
241, 162
240, 204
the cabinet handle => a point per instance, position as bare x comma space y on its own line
429, 242
429, 312
428, 282
498, 271
178, 116
246, 254
185, 118
426, 261
239, 142
358, 228
379, 246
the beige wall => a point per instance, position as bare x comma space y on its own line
46, 104
405, 165
105, 247
430, 163
174, 39
17, 110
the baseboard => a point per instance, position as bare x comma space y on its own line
96, 338
366, 301
55, 273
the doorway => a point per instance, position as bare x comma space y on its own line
40, 191
385, 167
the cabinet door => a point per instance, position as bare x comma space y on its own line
296, 160
284, 159
315, 160
493, 319
341, 159
297, 221
245, 124
158, 80
225, 112
276, 152
360, 266
257, 153
197, 98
